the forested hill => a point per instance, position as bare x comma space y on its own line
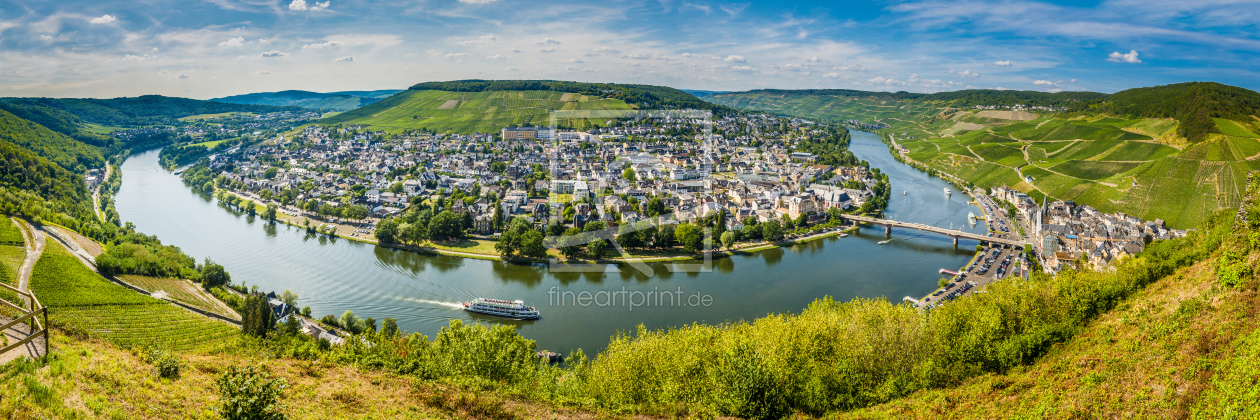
638, 96
66, 152
332, 101
1193, 104
134, 111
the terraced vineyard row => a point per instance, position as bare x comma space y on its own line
173, 327
81, 298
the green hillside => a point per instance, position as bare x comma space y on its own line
1194, 104
472, 112
62, 150
1097, 151
332, 101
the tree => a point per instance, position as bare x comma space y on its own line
570, 246
801, 221
728, 239
258, 318
213, 275
628, 237
351, 322
389, 327
446, 226
270, 214
250, 393
386, 231
655, 207
532, 245
690, 236
396, 188
628, 174
289, 298
772, 231
664, 236
306, 311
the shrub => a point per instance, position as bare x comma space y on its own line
250, 392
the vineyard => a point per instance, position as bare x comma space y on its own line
167, 325
1140, 166
81, 298
10, 233
181, 290
473, 112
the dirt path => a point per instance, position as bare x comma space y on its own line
34, 248
34, 348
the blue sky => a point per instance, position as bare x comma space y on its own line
205, 49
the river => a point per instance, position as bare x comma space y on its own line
423, 292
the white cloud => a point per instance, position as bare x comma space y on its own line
343, 59
477, 1
815, 59
881, 80
322, 45
274, 53
496, 57
547, 41
735, 59
849, 67
233, 42
637, 56
547, 50
574, 60
964, 73
1044, 83
481, 40
183, 75
1131, 57
1055, 90
455, 55
300, 5
1003, 63
104, 19
749, 69
607, 50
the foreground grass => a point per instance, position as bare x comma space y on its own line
90, 378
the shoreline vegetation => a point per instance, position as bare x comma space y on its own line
339, 229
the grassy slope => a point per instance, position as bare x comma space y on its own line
476, 112
1091, 160
89, 378
1182, 346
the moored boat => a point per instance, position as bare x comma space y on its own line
497, 307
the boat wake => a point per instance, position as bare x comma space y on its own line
452, 305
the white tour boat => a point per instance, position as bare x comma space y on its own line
508, 309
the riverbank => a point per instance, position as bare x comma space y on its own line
483, 249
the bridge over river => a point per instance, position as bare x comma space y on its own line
888, 224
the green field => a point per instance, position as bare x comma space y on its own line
473, 112
10, 233
80, 297
1093, 160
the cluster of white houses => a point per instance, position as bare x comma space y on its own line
1066, 233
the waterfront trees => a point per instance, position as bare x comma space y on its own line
446, 226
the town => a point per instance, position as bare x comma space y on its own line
750, 168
